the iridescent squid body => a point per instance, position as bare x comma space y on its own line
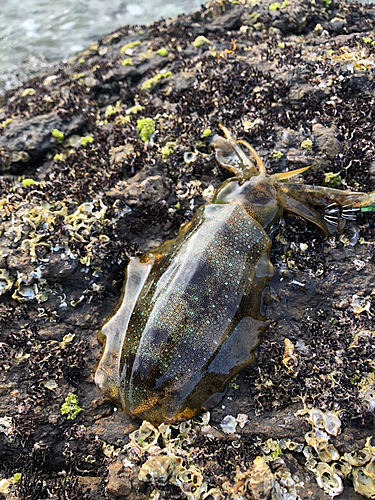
191, 314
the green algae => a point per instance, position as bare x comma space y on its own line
28, 182
200, 40
129, 45
146, 127
127, 62
162, 52
58, 135
59, 157
307, 144
332, 180
150, 82
27, 92
85, 140
70, 407
6, 122
112, 110
276, 155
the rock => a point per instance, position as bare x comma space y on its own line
326, 141
123, 482
33, 138
146, 188
337, 25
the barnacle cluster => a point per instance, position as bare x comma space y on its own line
170, 463
31, 230
329, 466
169, 454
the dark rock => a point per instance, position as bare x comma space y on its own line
325, 139
25, 142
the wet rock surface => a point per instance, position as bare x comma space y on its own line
296, 80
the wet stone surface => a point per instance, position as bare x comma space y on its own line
81, 192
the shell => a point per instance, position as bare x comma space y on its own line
229, 424
261, 479
327, 452
290, 359
357, 458
363, 483
332, 423
145, 437
328, 480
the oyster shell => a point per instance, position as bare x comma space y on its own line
328, 480
332, 423
261, 479
357, 458
290, 359
158, 469
145, 437
327, 452
363, 483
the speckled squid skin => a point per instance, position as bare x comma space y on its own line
191, 313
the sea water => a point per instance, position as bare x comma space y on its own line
56, 29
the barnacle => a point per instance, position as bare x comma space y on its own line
145, 437
363, 482
42, 216
357, 458
191, 482
367, 392
80, 223
328, 480
38, 291
316, 418
290, 358
284, 487
30, 246
342, 468
332, 423
159, 468
329, 421
327, 452
190, 157
261, 479
318, 440
164, 465
288, 444
6, 281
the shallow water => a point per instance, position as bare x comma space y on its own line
57, 29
